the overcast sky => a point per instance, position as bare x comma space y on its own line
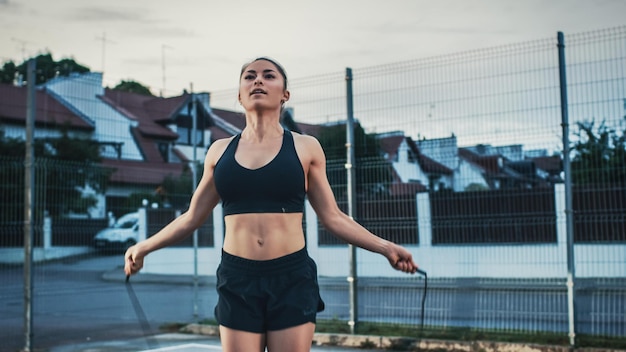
205, 42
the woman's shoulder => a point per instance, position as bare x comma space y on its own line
308, 145
305, 139
217, 148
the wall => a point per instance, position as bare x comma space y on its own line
469, 261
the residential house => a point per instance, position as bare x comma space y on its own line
143, 138
146, 139
507, 167
415, 172
51, 116
467, 175
438, 164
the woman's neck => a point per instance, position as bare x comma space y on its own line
261, 126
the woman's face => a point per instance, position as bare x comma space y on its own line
261, 86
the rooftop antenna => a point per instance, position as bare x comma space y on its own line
163, 47
22, 46
104, 40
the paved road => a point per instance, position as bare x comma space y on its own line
75, 309
173, 342
81, 301
73, 304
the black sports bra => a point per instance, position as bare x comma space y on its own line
277, 187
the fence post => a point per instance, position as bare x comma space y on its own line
47, 233
143, 222
569, 215
194, 172
424, 220
29, 189
350, 163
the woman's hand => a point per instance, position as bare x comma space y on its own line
400, 258
133, 260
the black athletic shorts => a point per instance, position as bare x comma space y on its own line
267, 295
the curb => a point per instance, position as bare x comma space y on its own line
409, 344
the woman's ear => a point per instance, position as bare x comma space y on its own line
286, 95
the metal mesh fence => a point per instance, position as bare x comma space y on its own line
459, 158
480, 133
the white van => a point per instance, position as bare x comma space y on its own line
121, 235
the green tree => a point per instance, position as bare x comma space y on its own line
8, 72
135, 201
64, 167
177, 191
74, 163
599, 155
47, 69
133, 87
12, 178
373, 173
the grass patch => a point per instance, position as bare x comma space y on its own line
172, 327
336, 326
467, 334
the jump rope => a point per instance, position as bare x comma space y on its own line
141, 316
152, 344
423, 273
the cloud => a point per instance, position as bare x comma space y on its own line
96, 14
10, 8
166, 31
141, 22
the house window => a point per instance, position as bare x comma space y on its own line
164, 151
412, 157
185, 130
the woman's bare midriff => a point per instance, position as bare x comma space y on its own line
263, 236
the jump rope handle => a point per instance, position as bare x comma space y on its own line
423, 303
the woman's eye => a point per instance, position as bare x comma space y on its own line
247, 77
270, 76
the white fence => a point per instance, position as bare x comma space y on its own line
440, 261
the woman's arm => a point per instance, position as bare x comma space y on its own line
204, 199
341, 225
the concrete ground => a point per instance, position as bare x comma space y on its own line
173, 342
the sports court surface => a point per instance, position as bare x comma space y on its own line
173, 342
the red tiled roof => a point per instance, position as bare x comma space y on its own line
142, 172
218, 133
147, 146
390, 145
551, 164
427, 164
433, 167
146, 110
234, 118
397, 189
49, 111
238, 120
163, 109
489, 163
145, 107
311, 130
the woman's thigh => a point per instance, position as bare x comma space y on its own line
241, 341
293, 339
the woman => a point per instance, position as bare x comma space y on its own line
267, 283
